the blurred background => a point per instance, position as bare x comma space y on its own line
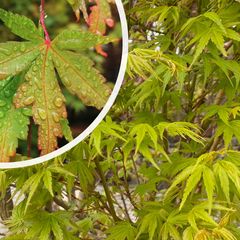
59, 17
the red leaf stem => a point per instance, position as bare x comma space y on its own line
42, 21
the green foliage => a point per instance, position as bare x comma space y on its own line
165, 165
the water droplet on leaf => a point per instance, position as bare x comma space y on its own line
29, 100
56, 132
58, 102
42, 114
56, 117
67, 82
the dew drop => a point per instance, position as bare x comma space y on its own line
67, 82
28, 76
56, 132
35, 68
29, 100
23, 48
38, 83
56, 117
58, 102
57, 64
24, 87
42, 114
66, 66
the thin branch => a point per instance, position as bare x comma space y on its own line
106, 189
61, 203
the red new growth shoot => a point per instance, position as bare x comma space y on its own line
42, 21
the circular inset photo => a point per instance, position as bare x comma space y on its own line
61, 67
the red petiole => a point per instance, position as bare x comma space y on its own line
42, 21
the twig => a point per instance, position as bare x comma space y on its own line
135, 169
61, 203
106, 189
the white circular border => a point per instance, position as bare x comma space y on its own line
102, 114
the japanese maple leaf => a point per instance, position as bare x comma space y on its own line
99, 18
40, 62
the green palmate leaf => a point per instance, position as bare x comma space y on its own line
45, 225
150, 223
217, 39
122, 231
79, 167
209, 183
183, 175
183, 129
140, 131
145, 151
232, 35
31, 186
41, 90
107, 128
228, 131
191, 183
21, 26
216, 19
233, 173
205, 38
197, 213
224, 181
138, 65
47, 180
13, 122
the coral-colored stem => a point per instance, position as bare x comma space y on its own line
42, 21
